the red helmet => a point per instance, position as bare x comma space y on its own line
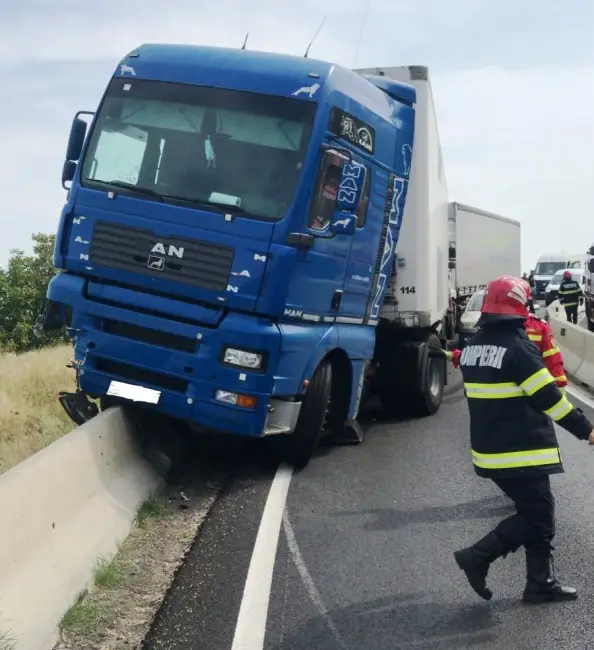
567, 273
507, 296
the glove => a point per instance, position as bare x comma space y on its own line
456, 354
453, 356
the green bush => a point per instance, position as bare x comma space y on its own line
23, 287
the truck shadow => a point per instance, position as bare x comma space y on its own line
393, 518
181, 455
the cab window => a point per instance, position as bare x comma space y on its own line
361, 210
324, 199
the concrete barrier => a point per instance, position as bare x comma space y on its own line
576, 344
61, 510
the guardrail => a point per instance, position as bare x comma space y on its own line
576, 344
61, 510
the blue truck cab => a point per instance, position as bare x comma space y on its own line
230, 223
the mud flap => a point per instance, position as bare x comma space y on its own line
350, 434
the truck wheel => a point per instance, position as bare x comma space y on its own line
428, 400
590, 325
303, 442
450, 326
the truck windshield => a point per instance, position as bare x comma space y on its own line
199, 146
548, 268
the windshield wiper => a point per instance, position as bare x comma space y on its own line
145, 191
208, 204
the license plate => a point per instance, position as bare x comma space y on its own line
133, 392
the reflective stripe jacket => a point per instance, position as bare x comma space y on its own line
569, 292
513, 401
540, 333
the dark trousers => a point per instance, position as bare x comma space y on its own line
533, 525
571, 313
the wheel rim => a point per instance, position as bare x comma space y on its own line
434, 379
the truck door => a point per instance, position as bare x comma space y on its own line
365, 241
316, 284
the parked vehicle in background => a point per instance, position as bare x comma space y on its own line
483, 246
470, 316
589, 289
552, 289
548, 264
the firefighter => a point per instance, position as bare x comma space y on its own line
541, 335
513, 401
570, 294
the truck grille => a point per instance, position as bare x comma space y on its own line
144, 376
153, 337
202, 264
540, 286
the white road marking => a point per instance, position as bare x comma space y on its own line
307, 580
253, 612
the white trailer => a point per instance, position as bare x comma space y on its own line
416, 314
483, 246
417, 294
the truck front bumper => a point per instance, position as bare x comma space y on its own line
180, 363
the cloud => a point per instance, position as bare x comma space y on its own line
513, 84
522, 144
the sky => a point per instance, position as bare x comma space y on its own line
513, 82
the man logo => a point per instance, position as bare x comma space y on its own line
171, 251
156, 263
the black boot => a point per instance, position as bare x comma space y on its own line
541, 584
475, 561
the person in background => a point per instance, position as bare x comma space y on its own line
513, 401
531, 279
570, 294
540, 333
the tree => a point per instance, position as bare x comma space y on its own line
23, 287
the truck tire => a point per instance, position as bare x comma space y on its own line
428, 399
303, 442
590, 325
397, 400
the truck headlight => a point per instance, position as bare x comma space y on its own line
243, 358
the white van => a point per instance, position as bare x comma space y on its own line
552, 290
548, 264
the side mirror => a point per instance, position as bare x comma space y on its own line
68, 171
343, 223
78, 131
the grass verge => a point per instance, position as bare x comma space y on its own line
129, 588
31, 417
7, 642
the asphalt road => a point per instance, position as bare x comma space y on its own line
364, 559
